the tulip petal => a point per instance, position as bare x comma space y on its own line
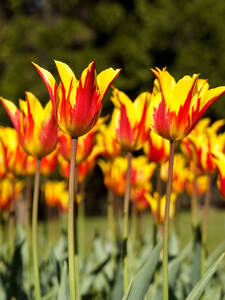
105, 79
12, 111
66, 76
49, 81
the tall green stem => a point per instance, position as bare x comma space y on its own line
125, 223
194, 202
76, 227
28, 229
204, 223
166, 223
71, 223
37, 289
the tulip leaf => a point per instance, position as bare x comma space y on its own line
63, 286
139, 285
202, 284
175, 264
197, 254
216, 253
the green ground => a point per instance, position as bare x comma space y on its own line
182, 225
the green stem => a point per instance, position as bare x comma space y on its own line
125, 223
111, 225
37, 289
133, 249
204, 224
71, 223
159, 191
166, 223
194, 202
81, 221
76, 227
28, 231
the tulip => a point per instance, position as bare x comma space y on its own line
15, 157
202, 184
175, 109
131, 120
8, 192
36, 126
53, 191
153, 202
106, 139
49, 163
132, 129
219, 160
156, 148
84, 146
77, 106
37, 132
180, 173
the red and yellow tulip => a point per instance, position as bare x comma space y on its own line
132, 119
36, 126
8, 191
176, 107
53, 191
219, 159
106, 139
153, 202
77, 103
204, 143
49, 163
202, 184
180, 173
157, 148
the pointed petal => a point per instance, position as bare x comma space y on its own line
49, 81
12, 111
105, 79
66, 76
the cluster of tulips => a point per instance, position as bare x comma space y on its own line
68, 133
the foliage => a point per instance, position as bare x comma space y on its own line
101, 275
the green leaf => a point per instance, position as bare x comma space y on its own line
63, 292
197, 255
202, 284
139, 285
175, 264
216, 253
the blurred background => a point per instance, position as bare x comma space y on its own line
186, 36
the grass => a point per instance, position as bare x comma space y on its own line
182, 225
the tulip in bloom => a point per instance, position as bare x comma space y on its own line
206, 142
77, 104
106, 139
36, 126
157, 148
138, 196
132, 119
49, 163
176, 107
153, 202
53, 190
14, 155
8, 192
180, 173
141, 170
219, 159
202, 184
